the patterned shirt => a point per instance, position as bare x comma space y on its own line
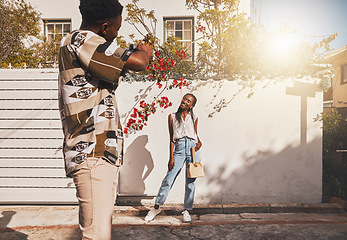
89, 73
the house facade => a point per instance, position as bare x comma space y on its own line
61, 17
336, 95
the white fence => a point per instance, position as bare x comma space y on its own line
31, 164
263, 148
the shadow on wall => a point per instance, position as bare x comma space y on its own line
138, 164
292, 175
8, 233
304, 90
142, 94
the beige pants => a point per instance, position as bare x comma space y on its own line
96, 184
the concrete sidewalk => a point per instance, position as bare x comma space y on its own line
61, 222
52, 215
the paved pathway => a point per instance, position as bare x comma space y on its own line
60, 223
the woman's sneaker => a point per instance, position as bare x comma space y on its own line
186, 216
151, 214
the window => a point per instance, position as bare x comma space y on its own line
344, 73
56, 27
181, 28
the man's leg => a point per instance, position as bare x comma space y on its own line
96, 185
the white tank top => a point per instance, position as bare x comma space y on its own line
183, 129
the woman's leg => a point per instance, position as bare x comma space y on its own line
168, 181
189, 193
190, 182
96, 186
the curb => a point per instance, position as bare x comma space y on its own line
237, 208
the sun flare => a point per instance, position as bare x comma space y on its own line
280, 46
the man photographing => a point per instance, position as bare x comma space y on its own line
90, 66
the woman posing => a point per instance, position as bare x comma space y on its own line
183, 137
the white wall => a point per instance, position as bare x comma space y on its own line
265, 148
256, 149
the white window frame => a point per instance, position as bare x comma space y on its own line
187, 26
53, 27
344, 73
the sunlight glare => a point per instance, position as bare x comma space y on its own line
281, 45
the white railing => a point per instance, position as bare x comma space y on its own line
39, 66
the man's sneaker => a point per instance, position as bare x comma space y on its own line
151, 214
186, 216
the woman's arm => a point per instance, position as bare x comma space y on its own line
171, 163
198, 144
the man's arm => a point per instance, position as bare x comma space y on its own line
106, 60
139, 59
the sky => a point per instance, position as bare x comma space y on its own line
311, 18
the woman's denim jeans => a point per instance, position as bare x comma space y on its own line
182, 154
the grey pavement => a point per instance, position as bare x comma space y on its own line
230, 221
